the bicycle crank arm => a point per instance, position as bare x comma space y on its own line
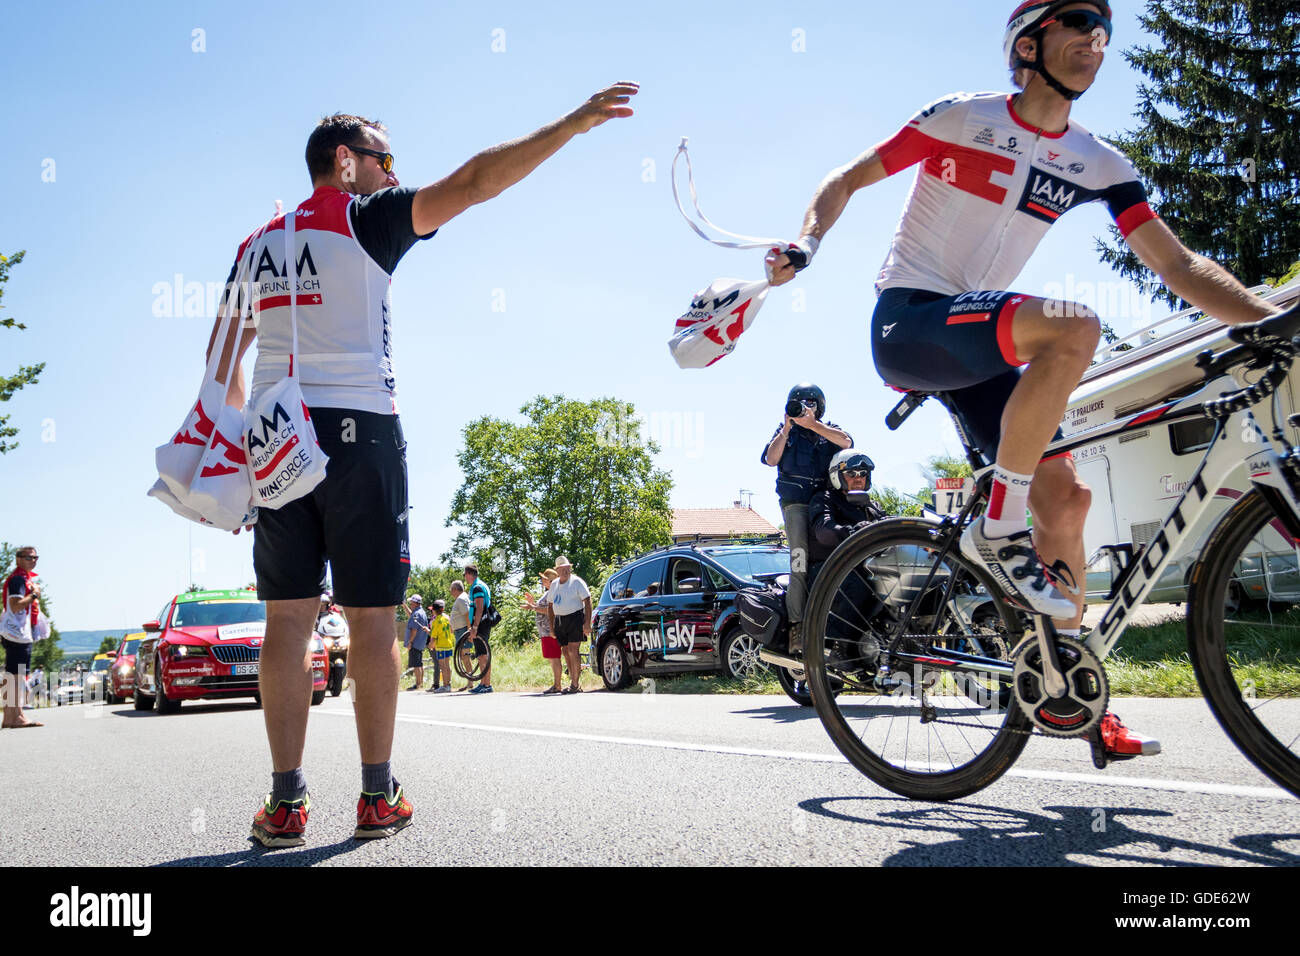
1053, 679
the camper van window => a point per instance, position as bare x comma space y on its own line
1191, 436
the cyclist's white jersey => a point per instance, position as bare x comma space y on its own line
345, 247
989, 188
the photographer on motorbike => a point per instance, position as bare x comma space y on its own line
801, 450
841, 508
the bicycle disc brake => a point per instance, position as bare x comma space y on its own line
1087, 689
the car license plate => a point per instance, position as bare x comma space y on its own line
241, 669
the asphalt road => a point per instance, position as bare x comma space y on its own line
624, 779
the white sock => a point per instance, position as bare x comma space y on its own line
1008, 503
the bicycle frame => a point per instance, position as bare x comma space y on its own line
1189, 516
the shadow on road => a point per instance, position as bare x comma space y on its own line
787, 712
257, 855
191, 710
995, 836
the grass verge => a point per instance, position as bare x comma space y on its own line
1151, 661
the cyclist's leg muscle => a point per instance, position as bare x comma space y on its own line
1058, 341
1059, 501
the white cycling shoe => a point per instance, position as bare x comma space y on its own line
1014, 564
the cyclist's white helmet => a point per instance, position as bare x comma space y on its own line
1027, 19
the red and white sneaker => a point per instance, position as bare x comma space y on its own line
1119, 742
281, 825
380, 816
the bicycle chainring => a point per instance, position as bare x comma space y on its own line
1087, 688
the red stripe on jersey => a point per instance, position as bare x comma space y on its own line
1044, 210
1007, 342
965, 319
907, 148
1033, 129
279, 301
1138, 215
971, 171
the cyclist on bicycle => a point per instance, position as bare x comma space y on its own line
997, 170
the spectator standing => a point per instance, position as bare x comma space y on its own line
458, 617
480, 599
442, 643
801, 450
571, 604
17, 627
350, 234
550, 647
417, 638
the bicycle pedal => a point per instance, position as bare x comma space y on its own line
1101, 757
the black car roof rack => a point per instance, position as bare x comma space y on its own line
700, 540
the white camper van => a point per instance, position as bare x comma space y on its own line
1136, 477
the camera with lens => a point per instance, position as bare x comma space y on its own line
794, 408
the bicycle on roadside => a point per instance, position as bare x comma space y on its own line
906, 702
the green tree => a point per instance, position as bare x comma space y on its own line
895, 503
575, 479
1218, 137
108, 645
27, 374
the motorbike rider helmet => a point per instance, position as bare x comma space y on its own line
807, 392
851, 461
1030, 19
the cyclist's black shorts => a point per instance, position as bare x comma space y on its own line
355, 519
959, 344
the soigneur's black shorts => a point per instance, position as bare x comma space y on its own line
568, 628
960, 344
355, 519
17, 656
414, 657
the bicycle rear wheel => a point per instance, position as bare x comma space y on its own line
1243, 635
928, 733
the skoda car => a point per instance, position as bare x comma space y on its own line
673, 611
207, 645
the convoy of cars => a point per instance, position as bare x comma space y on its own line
667, 612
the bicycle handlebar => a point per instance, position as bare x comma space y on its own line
1270, 344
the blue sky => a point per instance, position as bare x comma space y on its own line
132, 157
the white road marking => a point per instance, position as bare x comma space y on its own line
1144, 783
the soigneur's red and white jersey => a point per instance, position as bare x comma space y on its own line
343, 245
989, 188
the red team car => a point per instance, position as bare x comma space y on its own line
121, 675
207, 644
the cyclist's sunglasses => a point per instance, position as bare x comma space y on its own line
1085, 21
858, 473
385, 159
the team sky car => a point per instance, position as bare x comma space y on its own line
207, 644
673, 611
121, 676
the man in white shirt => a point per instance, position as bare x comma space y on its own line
571, 604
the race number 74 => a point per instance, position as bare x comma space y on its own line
951, 494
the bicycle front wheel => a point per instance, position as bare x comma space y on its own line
918, 728
1243, 633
